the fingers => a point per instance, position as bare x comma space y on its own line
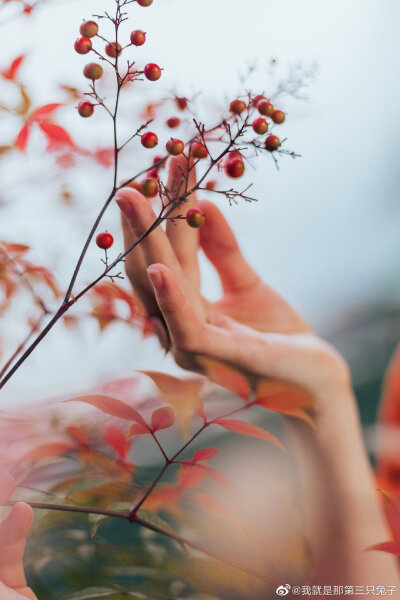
155, 246
221, 248
185, 328
184, 239
13, 532
136, 269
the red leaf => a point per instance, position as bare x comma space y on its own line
391, 547
248, 429
112, 406
15, 248
45, 451
162, 418
204, 454
285, 404
392, 511
105, 157
190, 474
219, 478
79, 434
44, 111
116, 439
12, 70
138, 430
57, 137
22, 138
226, 376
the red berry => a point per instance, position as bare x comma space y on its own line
237, 106
111, 49
152, 72
234, 154
83, 45
175, 146
138, 37
93, 71
198, 150
257, 99
181, 102
265, 108
260, 126
173, 122
149, 187
211, 185
104, 240
89, 29
234, 167
195, 218
278, 116
144, 2
149, 139
272, 142
85, 108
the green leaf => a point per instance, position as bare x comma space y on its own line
156, 520
94, 593
96, 520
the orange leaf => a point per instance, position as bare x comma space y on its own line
162, 418
204, 454
272, 387
184, 395
116, 439
226, 376
15, 248
45, 451
286, 405
138, 430
244, 428
190, 474
112, 406
22, 138
79, 434
57, 137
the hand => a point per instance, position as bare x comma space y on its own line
13, 532
250, 327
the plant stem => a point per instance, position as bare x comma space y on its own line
153, 527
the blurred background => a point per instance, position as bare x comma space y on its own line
325, 231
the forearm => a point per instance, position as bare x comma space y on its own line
342, 510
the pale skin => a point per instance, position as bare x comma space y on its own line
13, 532
254, 329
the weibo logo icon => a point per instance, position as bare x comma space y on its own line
283, 590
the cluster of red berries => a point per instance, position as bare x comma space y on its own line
260, 124
94, 71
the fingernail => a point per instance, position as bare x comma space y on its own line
156, 278
126, 207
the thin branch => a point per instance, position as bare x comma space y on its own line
153, 527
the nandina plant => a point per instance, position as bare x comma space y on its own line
104, 482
